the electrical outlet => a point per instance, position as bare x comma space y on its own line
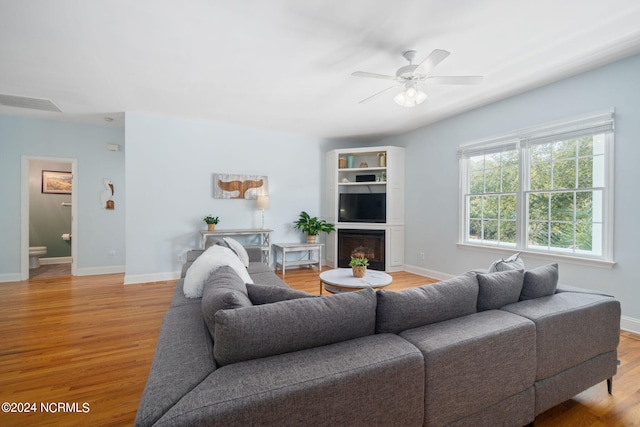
422, 256
179, 258
112, 254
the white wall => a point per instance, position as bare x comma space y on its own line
432, 177
99, 231
170, 164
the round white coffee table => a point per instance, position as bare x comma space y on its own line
342, 280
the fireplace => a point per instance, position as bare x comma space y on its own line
367, 243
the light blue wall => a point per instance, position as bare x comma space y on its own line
170, 165
99, 231
432, 176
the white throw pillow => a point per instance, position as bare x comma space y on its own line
239, 249
210, 260
514, 262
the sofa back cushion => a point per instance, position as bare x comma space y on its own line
410, 308
499, 289
540, 282
270, 329
222, 291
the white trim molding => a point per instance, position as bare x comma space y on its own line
94, 271
132, 279
55, 260
13, 277
630, 324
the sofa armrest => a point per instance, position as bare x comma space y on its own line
575, 289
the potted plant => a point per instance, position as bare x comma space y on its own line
359, 266
312, 226
211, 222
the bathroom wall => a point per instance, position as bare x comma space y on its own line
48, 219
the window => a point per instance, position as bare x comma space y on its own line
547, 189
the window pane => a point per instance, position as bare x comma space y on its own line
540, 176
492, 161
508, 207
561, 235
539, 234
508, 231
476, 182
562, 206
584, 236
585, 172
564, 174
491, 207
476, 163
475, 207
510, 159
539, 206
541, 153
491, 230
510, 179
475, 230
564, 149
584, 207
585, 146
492, 181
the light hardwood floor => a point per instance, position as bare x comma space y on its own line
73, 340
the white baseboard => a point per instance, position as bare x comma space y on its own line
427, 273
131, 279
630, 324
55, 260
93, 271
14, 277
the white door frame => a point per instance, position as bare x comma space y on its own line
24, 213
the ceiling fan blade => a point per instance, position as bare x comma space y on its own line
430, 62
455, 80
379, 93
372, 75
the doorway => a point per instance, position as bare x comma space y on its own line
48, 217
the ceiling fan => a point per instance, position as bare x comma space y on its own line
411, 76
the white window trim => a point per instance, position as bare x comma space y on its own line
595, 120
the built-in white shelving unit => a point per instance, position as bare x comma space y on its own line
386, 164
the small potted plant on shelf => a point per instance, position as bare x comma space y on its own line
211, 222
359, 266
312, 226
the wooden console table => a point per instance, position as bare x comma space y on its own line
309, 248
261, 238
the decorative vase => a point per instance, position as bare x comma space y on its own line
311, 238
211, 227
359, 271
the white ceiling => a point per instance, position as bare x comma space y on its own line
286, 65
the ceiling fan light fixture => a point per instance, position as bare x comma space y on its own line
410, 97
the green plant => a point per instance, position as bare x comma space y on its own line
211, 219
312, 225
358, 262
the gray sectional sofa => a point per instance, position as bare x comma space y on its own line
476, 350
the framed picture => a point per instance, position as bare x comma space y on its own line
55, 182
229, 186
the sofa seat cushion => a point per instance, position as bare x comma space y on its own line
224, 290
499, 288
410, 308
474, 362
571, 328
183, 358
285, 326
373, 380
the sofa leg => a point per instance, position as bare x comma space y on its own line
532, 423
610, 385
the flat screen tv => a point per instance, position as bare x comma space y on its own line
363, 207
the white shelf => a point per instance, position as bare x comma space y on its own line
373, 168
364, 183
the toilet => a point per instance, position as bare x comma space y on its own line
35, 252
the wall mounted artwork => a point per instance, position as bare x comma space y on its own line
106, 196
228, 186
55, 182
